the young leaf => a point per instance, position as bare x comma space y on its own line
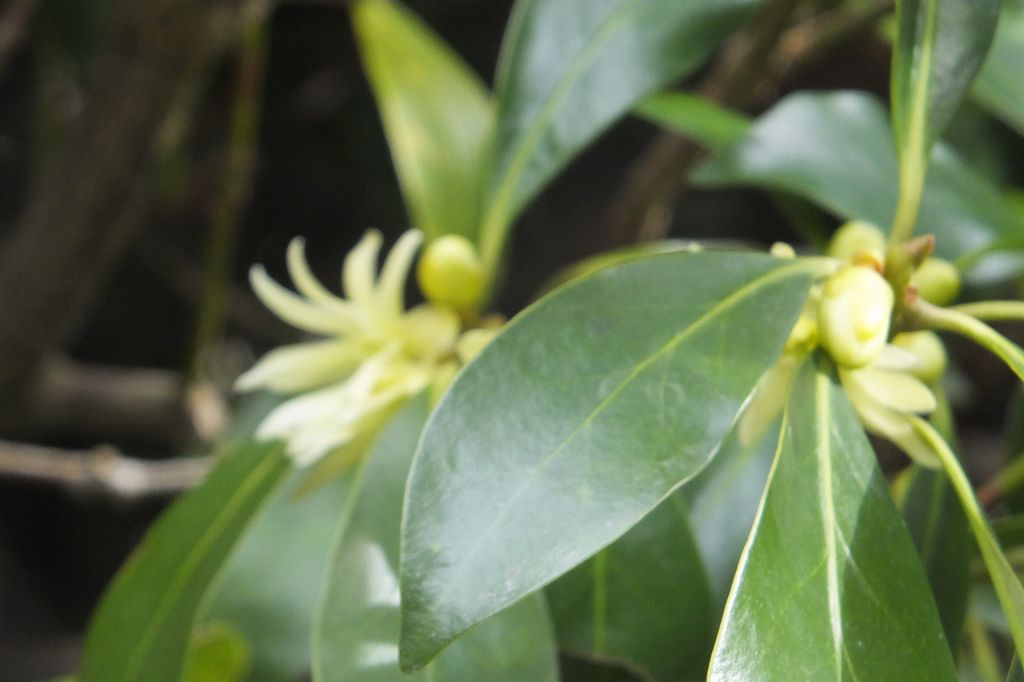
829, 585
438, 116
569, 69
357, 625
585, 413
834, 149
999, 87
643, 600
695, 116
270, 588
142, 627
940, 45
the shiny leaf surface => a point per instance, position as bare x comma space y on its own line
438, 116
999, 87
835, 150
643, 600
142, 627
589, 409
358, 618
570, 68
829, 586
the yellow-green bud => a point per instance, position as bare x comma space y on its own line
853, 315
927, 348
853, 237
450, 272
937, 281
782, 250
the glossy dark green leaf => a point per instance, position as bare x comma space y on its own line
835, 150
570, 68
939, 529
358, 617
142, 627
438, 116
576, 421
829, 586
999, 87
723, 502
940, 45
643, 600
694, 116
270, 588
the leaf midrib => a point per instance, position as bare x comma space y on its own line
729, 301
826, 506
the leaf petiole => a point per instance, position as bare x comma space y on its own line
960, 322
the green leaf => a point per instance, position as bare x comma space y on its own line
940, 46
643, 600
570, 68
723, 503
270, 588
358, 616
829, 586
939, 529
1004, 579
438, 116
999, 87
141, 628
694, 116
1016, 673
576, 421
834, 150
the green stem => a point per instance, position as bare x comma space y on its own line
959, 322
998, 311
913, 149
1005, 581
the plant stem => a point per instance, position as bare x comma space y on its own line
1011, 311
1004, 579
1006, 480
957, 321
985, 658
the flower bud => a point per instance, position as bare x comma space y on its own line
937, 281
853, 237
853, 315
929, 352
450, 272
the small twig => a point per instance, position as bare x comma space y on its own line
101, 470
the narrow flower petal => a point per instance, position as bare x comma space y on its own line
360, 268
894, 390
303, 366
887, 423
896, 359
472, 342
292, 309
395, 272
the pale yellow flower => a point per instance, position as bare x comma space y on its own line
375, 353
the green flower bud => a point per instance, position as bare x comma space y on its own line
853, 315
853, 237
937, 281
927, 349
450, 273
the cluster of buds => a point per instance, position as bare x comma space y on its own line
889, 380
